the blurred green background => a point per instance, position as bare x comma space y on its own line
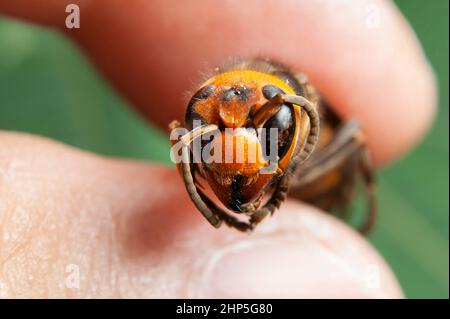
48, 87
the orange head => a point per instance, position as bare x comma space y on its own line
237, 102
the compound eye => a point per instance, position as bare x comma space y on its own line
191, 114
284, 122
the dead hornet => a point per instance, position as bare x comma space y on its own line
249, 96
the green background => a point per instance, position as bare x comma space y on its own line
47, 87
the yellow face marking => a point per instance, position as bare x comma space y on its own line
243, 77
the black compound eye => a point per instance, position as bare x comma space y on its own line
284, 122
203, 93
191, 115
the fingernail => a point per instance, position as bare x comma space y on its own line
283, 268
255, 269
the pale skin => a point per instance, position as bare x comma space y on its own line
130, 228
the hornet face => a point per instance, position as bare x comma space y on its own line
243, 159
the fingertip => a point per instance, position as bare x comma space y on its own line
298, 253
